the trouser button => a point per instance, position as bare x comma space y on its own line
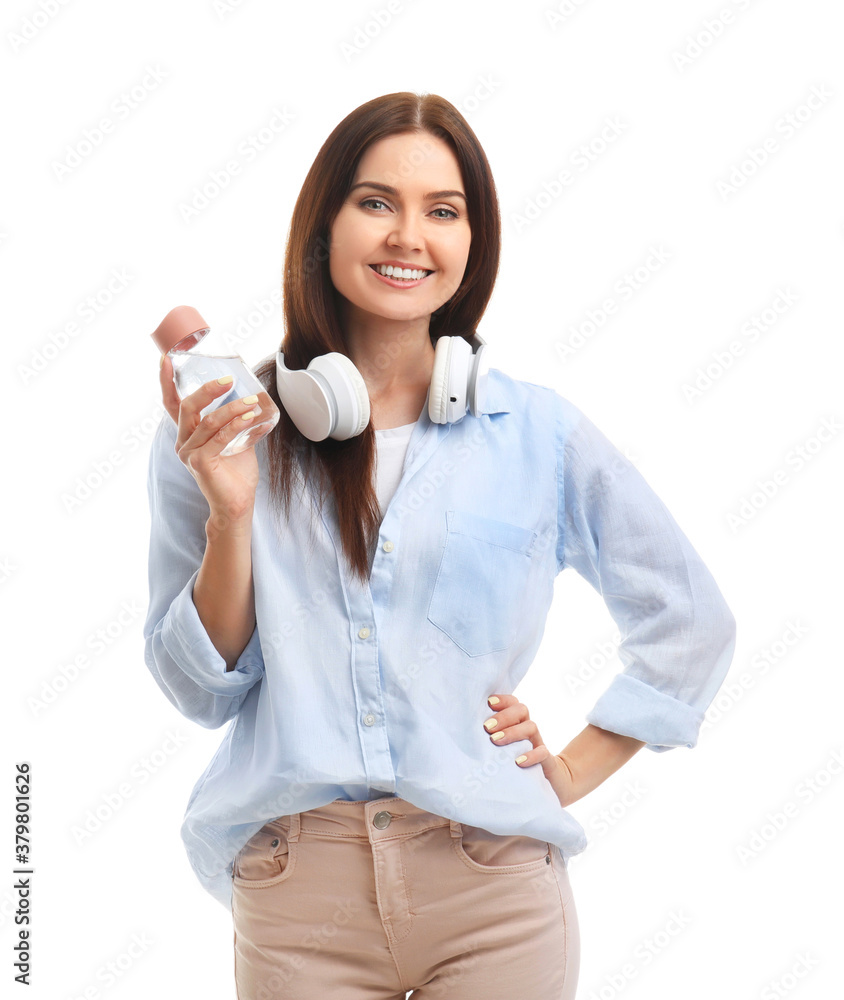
382, 820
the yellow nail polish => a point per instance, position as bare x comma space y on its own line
225, 379
490, 724
497, 736
493, 700
520, 759
249, 399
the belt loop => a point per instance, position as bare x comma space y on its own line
456, 829
295, 826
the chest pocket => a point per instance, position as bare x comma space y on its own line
481, 579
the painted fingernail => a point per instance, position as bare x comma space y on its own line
520, 759
493, 700
497, 736
491, 724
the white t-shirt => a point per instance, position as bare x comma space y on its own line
391, 447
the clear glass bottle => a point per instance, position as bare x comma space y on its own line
178, 335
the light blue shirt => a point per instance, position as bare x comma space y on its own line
350, 690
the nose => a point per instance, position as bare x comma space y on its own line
406, 232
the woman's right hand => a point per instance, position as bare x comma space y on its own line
229, 483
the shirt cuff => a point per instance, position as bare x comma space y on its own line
186, 640
630, 707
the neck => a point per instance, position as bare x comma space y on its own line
395, 358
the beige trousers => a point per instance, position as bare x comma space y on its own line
372, 899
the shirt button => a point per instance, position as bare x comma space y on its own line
387, 546
381, 820
364, 632
369, 719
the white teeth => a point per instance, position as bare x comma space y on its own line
407, 273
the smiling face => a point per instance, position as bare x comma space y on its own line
406, 206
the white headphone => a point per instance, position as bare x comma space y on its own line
329, 398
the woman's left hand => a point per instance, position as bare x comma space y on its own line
513, 722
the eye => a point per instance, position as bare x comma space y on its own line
450, 213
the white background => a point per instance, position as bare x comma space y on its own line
683, 832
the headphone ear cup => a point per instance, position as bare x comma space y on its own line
308, 399
351, 397
438, 394
327, 399
450, 380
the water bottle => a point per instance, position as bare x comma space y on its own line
178, 336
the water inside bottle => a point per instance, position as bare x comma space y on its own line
192, 370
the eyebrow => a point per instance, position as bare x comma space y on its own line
430, 196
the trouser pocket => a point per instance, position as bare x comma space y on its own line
500, 853
267, 858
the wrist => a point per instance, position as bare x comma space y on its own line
228, 523
572, 792
593, 755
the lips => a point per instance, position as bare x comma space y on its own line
406, 267
399, 282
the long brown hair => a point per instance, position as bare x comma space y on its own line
312, 318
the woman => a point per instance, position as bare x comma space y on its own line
383, 815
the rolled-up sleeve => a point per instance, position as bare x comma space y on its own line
677, 632
178, 650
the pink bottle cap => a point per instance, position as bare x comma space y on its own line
179, 324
